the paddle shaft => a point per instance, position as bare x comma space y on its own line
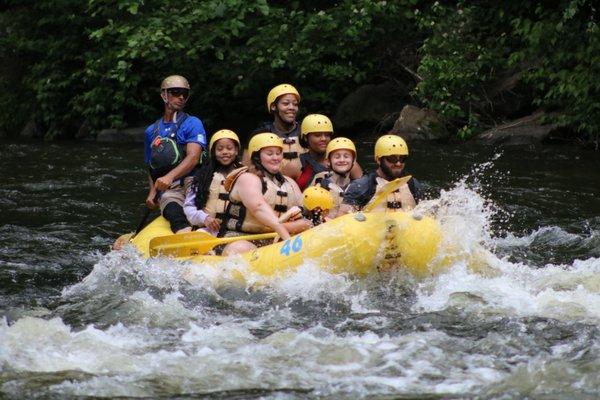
169, 245
144, 219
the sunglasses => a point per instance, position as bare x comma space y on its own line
396, 159
176, 92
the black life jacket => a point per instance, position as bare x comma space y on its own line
310, 167
166, 152
291, 139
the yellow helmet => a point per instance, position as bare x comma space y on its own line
280, 90
315, 123
174, 81
262, 140
223, 134
340, 143
317, 197
388, 145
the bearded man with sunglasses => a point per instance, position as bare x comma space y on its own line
391, 153
173, 150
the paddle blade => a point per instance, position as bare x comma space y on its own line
182, 244
195, 243
386, 190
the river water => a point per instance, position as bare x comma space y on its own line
517, 313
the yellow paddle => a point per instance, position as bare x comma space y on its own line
200, 242
387, 189
195, 243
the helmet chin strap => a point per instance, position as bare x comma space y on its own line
256, 161
163, 95
258, 164
170, 106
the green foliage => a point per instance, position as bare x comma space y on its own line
101, 61
469, 46
14, 104
466, 44
43, 36
565, 42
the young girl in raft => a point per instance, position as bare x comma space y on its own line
341, 155
207, 199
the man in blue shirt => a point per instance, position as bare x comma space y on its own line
173, 148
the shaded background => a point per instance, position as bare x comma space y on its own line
71, 68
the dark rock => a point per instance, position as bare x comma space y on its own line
84, 131
369, 106
416, 123
526, 130
135, 134
31, 130
129, 135
109, 136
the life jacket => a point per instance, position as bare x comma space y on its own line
218, 197
166, 152
291, 146
280, 196
400, 199
335, 183
310, 167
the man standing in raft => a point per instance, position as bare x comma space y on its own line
173, 147
391, 154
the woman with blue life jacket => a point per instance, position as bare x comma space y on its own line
207, 199
261, 198
391, 156
282, 103
341, 155
315, 134
173, 148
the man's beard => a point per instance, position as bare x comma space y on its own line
389, 173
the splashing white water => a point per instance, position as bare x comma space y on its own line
164, 328
316, 359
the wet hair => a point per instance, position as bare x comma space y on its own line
258, 169
303, 140
204, 176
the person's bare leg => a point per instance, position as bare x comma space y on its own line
241, 246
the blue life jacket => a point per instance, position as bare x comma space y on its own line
166, 152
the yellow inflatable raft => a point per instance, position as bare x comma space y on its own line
357, 243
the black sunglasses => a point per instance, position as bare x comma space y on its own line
176, 92
395, 159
